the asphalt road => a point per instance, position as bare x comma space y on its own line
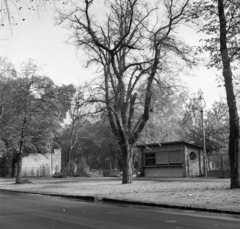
36, 211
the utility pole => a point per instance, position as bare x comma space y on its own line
202, 104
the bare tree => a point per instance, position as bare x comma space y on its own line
221, 22
76, 118
134, 46
10, 9
233, 114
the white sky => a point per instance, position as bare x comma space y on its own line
39, 39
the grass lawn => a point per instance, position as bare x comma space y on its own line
194, 192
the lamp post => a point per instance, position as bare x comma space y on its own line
202, 104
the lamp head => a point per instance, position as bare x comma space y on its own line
201, 99
200, 94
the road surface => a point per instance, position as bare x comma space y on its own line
28, 211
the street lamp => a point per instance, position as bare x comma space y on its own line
202, 105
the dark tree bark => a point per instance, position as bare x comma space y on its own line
231, 100
127, 164
19, 155
14, 164
19, 170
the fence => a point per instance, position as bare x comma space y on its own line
111, 173
31, 171
219, 165
40, 171
218, 162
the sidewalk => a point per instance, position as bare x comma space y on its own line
201, 194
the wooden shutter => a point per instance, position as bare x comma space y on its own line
175, 157
162, 158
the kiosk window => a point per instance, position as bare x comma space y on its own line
150, 159
169, 158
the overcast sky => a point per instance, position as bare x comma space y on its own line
38, 38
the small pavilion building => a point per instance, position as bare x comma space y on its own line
171, 159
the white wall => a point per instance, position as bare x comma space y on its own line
163, 172
35, 163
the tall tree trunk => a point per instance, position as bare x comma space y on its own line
19, 170
231, 101
127, 163
69, 162
14, 164
19, 155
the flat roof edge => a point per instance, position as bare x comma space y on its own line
168, 143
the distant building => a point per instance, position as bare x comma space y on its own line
171, 159
35, 165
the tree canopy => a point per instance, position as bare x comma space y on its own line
32, 108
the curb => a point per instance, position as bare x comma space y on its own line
84, 198
95, 199
108, 200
